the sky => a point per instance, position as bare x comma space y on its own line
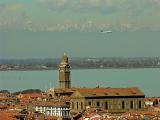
47, 28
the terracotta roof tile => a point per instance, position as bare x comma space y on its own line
151, 99
8, 115
93, 92
59, 103
31, 95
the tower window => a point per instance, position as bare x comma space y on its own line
89, 103
123, 105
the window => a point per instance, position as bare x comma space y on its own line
77, 105
89, 103
50, 95
140, 104
106, 105
98, 104
67, 103
155, 102
72, 105
123, 105
81, 105
131, 104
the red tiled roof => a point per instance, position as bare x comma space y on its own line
4, 95
17, 106
51, 118
94, 92
8, 115
58, 103
8, 98
3, 106
31, 95
151, 99
66, 90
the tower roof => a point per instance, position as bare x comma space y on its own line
64, 58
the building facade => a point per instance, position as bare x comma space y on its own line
51, 109
64, 73
114, 100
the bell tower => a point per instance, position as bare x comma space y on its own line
64, 73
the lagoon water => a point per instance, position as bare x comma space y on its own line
147, 79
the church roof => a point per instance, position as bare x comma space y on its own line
110, 92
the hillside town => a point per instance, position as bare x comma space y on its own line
71, 103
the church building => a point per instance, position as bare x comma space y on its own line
114, 100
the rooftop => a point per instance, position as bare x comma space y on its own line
48, 104
110, 92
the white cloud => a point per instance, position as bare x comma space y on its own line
94, 2
108, 2
54, 3
61, 2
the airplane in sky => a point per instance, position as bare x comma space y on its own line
106, 31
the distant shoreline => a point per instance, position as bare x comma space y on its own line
80, 63
82, 68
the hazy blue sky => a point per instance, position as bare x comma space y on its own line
47, 28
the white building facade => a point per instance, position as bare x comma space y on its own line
58, 111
